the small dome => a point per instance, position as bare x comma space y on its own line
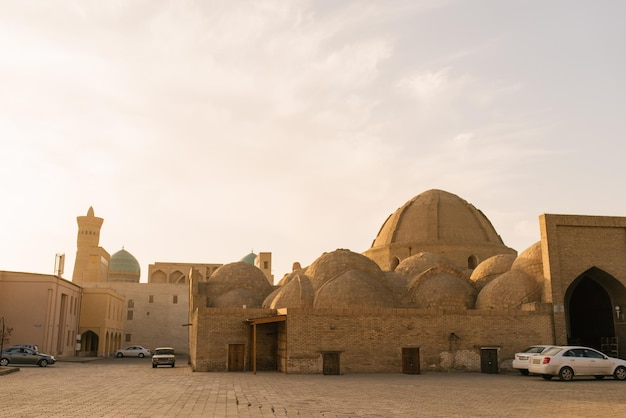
123, 266
354, 289
491, 268
442, 289
530, 261
329, 265
417, 264
239, 275
250, 258
509, 291
297, 293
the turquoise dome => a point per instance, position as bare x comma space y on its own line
123, 262
249, 258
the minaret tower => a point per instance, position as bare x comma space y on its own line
92, 261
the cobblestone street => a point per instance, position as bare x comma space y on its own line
132, 388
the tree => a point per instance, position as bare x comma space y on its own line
5, 334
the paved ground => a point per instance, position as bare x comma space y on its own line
132, 388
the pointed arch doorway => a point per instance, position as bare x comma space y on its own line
590, 304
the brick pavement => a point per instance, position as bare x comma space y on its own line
132, 388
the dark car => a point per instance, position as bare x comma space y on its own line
21, 355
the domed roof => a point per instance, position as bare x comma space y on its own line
237, 298
509, 291
329, 265
530, 261
441, 289
297, 293
124, 262
249, 258
419, 263
491, 268
437, 216
354, 289
238, 275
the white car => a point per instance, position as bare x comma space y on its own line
163, 356
520, 362
569, 361
133, 351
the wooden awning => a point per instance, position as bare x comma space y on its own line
258, 321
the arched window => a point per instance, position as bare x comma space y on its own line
472, 262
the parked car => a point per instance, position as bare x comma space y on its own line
21, 355
520, 362
163, 356
133, 351
569, 361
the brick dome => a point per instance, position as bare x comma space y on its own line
491, 268
329, 265
509, 291
441, 289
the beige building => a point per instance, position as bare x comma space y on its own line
41, 309
438, 290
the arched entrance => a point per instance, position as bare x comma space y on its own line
590, 302
89, 343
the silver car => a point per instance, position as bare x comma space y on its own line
21, 355
569, 361
133, 351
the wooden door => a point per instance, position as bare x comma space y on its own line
330, 363
411, 360
236, 354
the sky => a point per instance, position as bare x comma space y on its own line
202, 131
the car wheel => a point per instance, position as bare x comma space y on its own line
154, 366
172, 364
4, 362
599, 377
547, 376
141, 355
566, 374
43, 363
119, 355
620, 373
524, 372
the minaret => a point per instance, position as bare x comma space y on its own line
92, 261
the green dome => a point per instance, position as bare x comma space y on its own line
249, 258
124, 262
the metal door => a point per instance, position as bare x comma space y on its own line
489, 360
411, 360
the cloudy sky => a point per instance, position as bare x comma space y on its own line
203, 130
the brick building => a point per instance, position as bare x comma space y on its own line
437, 290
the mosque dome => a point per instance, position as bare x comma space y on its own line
238, 298
330, 265
124, 267
438, 288
491, 268
509, 291
354, 289
250, 258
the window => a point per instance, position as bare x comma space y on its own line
151, 299
175, 299
131, 304
129, 315
266, 265
127, 338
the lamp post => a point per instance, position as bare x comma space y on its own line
2, 336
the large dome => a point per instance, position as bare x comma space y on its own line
440, 223
124, 267
437, 216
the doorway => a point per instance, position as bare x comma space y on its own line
330, 362
411, 360
236, 355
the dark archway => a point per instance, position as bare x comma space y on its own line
589, 308
89, 343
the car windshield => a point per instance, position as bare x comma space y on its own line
552, 351
165, 351
534, 349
